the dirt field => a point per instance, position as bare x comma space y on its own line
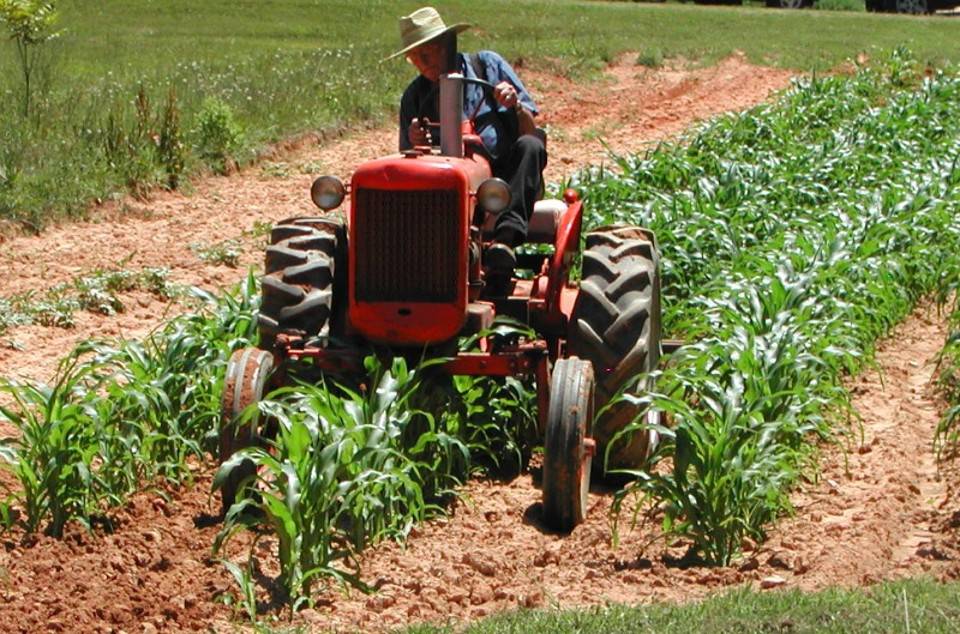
879, 510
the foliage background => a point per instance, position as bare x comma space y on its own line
123, 94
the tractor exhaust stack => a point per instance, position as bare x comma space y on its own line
451, 111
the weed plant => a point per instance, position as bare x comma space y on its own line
97, 292
226, 252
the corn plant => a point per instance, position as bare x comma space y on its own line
346, 469
351, 467
497, 420
791, 295
118, 417
495, 417
53, 459
947, 438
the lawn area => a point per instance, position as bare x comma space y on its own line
136, 37
918, 605
138, 93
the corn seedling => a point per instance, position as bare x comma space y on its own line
117, 417
947, 438
785, 259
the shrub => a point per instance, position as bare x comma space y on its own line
219, 135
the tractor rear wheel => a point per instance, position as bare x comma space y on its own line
248, 372
305, 266
616, 325
567, 448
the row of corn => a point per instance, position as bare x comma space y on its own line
793, 235
785, 259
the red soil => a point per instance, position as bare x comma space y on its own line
877, 512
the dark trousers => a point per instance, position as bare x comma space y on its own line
522, 169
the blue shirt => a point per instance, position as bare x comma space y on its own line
421, 97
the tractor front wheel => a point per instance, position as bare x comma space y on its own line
248, 371
567, 448
305, 268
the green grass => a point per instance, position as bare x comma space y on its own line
220, 79
157, 37
839, 5
918, 605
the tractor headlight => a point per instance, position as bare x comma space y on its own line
327, 192
494, 195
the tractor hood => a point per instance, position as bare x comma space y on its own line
410, 169
409, 230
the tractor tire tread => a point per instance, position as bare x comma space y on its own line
315, 273
285, 231
298, 291
277, 257
616, 325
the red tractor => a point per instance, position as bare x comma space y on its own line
406, 272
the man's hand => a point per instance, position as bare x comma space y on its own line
419, 132
506, 95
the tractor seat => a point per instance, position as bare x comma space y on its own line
542, 228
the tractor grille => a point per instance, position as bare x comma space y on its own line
407, 244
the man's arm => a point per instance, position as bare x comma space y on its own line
527, 124
512, 94
407, 113
508, 96
412, 132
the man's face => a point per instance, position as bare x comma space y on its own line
427, 58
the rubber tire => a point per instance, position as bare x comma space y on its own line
305, 276
248, 373
616, 325
898, 6
566, 457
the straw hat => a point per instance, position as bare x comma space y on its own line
421, 26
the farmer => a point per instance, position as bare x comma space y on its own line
504, 120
